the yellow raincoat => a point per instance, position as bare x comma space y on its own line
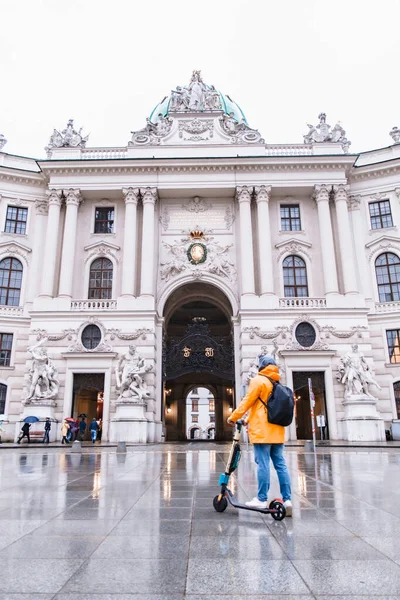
260, 430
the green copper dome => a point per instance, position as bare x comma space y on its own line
197, 97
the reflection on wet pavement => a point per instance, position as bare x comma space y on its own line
141, 526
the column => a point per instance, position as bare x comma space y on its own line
131, 196
51, 243
73, 199
149, 198
345, 240
327, 248
243, 195
364, 273
263, 194
41, 213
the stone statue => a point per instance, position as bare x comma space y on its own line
323, 133
197, 90
153, 132
219, 261
129, 375
394, 134
178, 261
212, 99
43, 375
180, 98
253, 368
3, 141
355, 374
68, 138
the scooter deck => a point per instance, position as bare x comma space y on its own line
236, 504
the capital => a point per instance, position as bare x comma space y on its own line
73, 197
354, 202
243, 194
42, 207
131, 195
149, 195
321, 193
55, 197
397, 192
263, 193
340, 192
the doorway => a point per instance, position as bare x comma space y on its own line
200, 414
88, 399
302, 405
198, 364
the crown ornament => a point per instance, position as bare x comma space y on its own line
196, 234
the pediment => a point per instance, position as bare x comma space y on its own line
294, 246
14, 246
98, 244
388, 239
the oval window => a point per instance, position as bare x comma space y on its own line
91, 337
305, 334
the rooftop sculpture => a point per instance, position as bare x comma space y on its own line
68, 138
324, 133
395, 135
3, 141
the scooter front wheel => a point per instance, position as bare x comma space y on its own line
280, 510
220, 503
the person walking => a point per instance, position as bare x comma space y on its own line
25, 432
64, 432
267, 438
47, 427
93, 429
82, 429
74, 429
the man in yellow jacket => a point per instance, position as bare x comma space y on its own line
267, 438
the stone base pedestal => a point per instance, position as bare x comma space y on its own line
40, 409
129, 423
362, 422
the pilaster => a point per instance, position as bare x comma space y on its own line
55, 198
340, 193
149, 199
131, 197
321, 197
262, 197
73, 199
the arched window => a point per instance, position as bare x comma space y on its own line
397, 397
10, 281
295, 277
387, 269
100, 279
3, 394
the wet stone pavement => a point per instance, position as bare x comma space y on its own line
141, 526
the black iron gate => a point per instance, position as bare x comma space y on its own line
198, 351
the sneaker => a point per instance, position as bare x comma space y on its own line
256, 503
288, 505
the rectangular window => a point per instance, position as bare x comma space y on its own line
16, 220
5, 349
104, 220
195, 418
381, 215
393, 341
212, 417
290, 217
211, 405
3, 395
195, 405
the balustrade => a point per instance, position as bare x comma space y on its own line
302, 303
93, 305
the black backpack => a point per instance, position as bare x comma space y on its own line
280, 407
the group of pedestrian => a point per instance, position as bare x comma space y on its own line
71, 429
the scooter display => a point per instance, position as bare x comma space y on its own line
276, 507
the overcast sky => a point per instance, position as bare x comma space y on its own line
107, 63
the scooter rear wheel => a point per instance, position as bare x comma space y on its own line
279, 508
220, 504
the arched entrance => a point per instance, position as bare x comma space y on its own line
198, 363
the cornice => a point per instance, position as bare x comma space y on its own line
390, 167
19, 176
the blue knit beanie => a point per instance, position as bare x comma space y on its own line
264, 360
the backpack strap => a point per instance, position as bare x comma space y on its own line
273, 387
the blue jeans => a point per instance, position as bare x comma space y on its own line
262, 454
93, 433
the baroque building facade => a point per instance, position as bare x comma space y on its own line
132, 276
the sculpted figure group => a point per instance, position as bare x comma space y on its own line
129, 374
355, 374
43, 375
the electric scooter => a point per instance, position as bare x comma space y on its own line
276, 508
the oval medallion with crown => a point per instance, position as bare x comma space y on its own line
197, 252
